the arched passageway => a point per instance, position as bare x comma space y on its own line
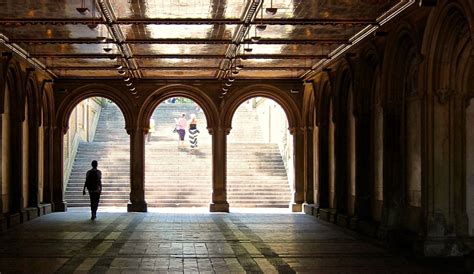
97, 132
178, 173
259, 156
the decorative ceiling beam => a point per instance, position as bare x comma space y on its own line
184, 56
180, 68
117, 35
239, 35
178, 41
180, 21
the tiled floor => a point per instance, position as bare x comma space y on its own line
157, 242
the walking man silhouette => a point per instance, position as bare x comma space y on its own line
94, 186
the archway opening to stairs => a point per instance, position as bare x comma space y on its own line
259, 156
97, 132
178, 174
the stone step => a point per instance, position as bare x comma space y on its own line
250, 162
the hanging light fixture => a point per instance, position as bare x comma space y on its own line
255, 38
83, 10
261, 26
93, 25
121, 72
271, 10
129, 84
127, 79
248, 49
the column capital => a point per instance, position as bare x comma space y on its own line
444, 95
216, 129
297, 130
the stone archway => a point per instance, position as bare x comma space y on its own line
448, 45
292, 112
63, 112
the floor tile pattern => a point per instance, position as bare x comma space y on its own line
193, 243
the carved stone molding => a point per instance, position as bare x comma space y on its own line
444, 95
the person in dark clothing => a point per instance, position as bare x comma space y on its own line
94, 186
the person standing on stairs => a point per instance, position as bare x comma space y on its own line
193, 132
151, 130
181, 124
94, 186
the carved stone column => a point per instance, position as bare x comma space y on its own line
48, 165
393, 175
219, 161
137, 170
59, 204
308, 166
323, 174
445, 219
33, 165
298, 163
363, 167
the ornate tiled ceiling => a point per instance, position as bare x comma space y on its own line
187, 39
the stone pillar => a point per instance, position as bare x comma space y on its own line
445, 219
137, 170
59, 204
298, 163
48, 165
308, 166
393, 175
323, 175
219, 169
16, 174
33, 197
363, 209
341, 155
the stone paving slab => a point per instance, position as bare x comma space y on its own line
155, 242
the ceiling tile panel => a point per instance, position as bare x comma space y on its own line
175, 62
263, 74
324, 9
70, 49
217, 9
197, 73
86, 73
78, 62
132, 32
178, 49
46, 9
52, 32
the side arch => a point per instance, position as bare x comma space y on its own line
288, 104
76, 96
179, 90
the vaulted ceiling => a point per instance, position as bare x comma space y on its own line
187, 39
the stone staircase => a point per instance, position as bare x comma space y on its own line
181, 177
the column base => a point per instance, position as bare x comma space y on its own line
60, 207
44, 209
3, 223
224, 207
441, 247
137, 207
31, 213
328, 214
13, 219
310, 209
295, 207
